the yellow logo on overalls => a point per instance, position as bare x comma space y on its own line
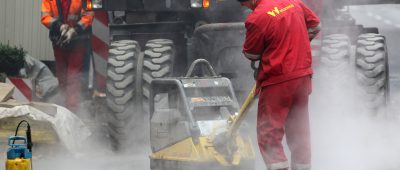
278, 11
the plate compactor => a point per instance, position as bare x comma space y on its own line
194, 123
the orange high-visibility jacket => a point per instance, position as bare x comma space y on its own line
77, 16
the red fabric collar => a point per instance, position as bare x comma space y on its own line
257, 3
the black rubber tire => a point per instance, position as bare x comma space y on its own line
335, 74
157, 63
120, 88
372, 69
335, 51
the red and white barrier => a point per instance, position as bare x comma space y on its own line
23, 89
100, 41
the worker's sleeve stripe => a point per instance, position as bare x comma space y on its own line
301, 166
252, 56
315, 29
91, 13
74, 17
46, 13
279, 165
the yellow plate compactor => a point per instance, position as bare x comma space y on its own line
194, 123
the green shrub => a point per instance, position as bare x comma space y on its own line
11, 59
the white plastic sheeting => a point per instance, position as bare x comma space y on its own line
71, 131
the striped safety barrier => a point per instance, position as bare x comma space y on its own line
23, 89
100, 41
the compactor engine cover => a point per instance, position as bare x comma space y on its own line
186, 114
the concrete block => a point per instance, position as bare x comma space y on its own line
6, 91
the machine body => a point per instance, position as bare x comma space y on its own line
18, 155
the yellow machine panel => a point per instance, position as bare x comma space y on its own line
18, 164
204, 151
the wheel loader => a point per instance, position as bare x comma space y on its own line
194, 122
156, 39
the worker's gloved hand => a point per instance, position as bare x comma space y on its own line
255, 66
63, 29
313, 32
71, 33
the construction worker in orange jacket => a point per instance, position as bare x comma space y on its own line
278, 34
69, 29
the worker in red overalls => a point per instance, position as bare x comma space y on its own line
69, 26
278, 35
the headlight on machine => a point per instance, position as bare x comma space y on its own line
94, 4
196, 3
200, 3
206, 3
97, 4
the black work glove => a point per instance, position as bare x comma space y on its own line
255, 69
54, 32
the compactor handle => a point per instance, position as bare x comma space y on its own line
242, 112
200, 61
16, 138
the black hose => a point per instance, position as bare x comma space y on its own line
28, 137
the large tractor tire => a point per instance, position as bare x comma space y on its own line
120, 88
157, 63
335, 51
335, 67
372, 69
335, 75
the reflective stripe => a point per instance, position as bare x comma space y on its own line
315, 29
301, 167
252, 56
313, 32
91, 13
279, 165
73, 17
46, 13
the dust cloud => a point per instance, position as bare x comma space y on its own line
346, 135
